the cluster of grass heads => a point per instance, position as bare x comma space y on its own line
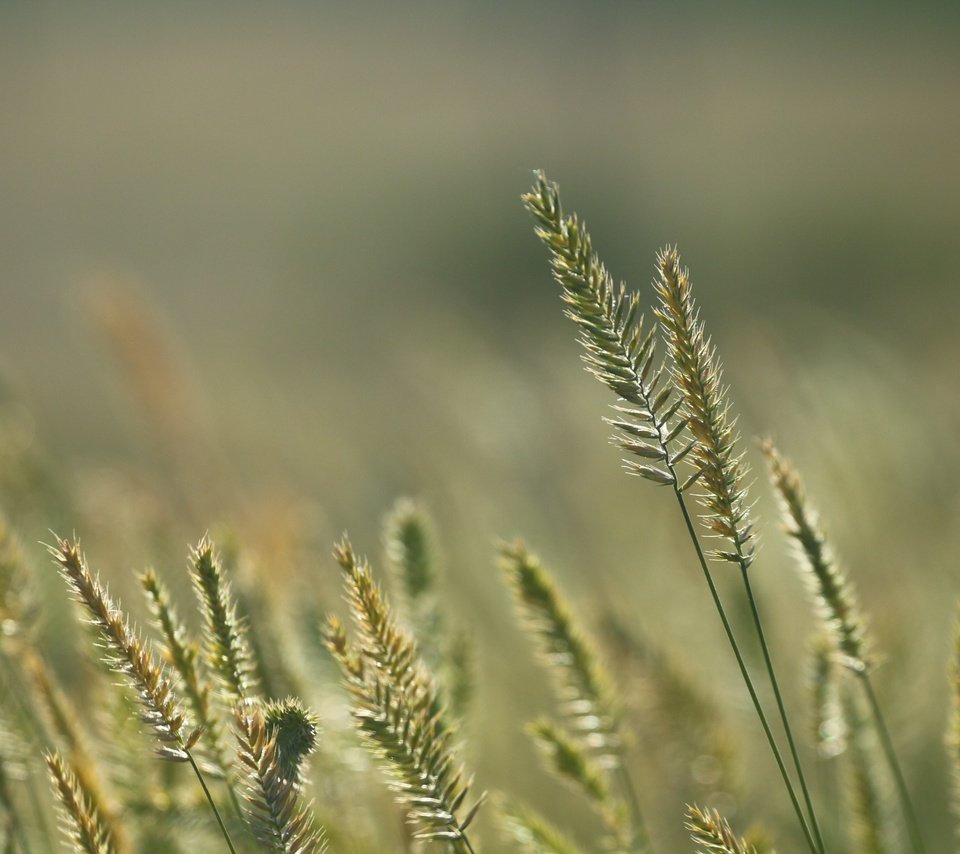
226, 693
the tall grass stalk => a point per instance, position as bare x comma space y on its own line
127, 654
621, 355
719, 470
837, 607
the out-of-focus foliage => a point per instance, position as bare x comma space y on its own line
263, 269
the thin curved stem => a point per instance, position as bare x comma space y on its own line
743, 667
913, 826
466, 842
814, 824
213, 806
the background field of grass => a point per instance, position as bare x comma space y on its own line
265, 268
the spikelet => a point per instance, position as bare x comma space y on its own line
81, 825
583, 687
398, 709
62, 720
128, 654
718, 469
226, 649
570, 761
832, 592
183, 655
410, 543
710, 830
274, 808
618, 350
533, 833
294, 728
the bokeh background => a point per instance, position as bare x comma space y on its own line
264, 268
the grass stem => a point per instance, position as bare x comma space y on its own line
691, 530
814, 824
913, 826
640, 834
213, 806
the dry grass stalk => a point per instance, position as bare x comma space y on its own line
710, 830
583, 687
226, 649
82, 826
129, 655
619, 351
274, 808
183, 655
398, 709
833, 593
719, 470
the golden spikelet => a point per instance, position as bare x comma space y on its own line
398, 709
710, 830
274, 808
128, 654
81, 824
719, 469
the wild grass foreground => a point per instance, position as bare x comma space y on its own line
223, 692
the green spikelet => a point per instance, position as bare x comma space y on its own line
294, 728
569, 760
127, 653
583, 687
274, 809
183, 654
711, 831
225, 644
533, 833
619, 351
81, 824
832, 592
409, 541
718, 469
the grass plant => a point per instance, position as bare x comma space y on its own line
291, 720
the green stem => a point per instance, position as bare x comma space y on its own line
740, 663
213, 806
814, 824
913, 826
640, 836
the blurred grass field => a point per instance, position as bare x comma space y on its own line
264, 268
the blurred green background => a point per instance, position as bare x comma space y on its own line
265, 266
